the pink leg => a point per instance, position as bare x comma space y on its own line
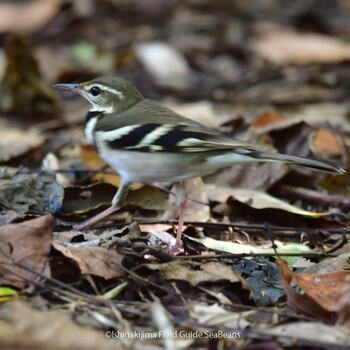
117, 201
181, 196
83, 226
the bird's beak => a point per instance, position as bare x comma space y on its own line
72, 87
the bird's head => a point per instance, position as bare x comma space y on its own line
108, 95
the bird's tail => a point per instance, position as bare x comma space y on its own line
321, 165
241, 156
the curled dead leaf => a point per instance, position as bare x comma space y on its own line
282, 45
322, 291
28, 243
266, 119
324, 144
30, 16
16, 142
98, 261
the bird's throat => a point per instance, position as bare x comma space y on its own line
90, 124
91, 115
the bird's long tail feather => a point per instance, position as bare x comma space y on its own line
244, 156
321, 165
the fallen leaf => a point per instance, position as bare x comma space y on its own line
324, 144
322, 291
256, 176
98, 261
27, 193
165, 64
238, 248
198, 204
148, 197
267, 118
202, 112
283, 45
329, 337
7, 294
16, 142
216, 315
91, 158
28, 243
29, 328
263, 278
257, 200
30, 16
197, 208
79, 200
343, 305
208, 272
331, 264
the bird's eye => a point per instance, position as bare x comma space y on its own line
95, 90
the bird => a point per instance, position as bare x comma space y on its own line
146, 142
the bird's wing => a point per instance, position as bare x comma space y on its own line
162, 130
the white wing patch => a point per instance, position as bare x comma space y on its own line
117, 133
191, 141
149, 139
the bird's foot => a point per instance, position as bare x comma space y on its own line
176, 249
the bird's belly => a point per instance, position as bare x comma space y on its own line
150, 167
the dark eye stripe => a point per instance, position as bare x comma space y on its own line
134, 137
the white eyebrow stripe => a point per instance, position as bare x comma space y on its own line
109, 89
118, 133
154, 135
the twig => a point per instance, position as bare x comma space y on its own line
258, 228
315, 196
248, 255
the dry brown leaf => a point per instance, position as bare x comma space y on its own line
197, 205
16, 142
219, 316
266, 119
209, 272
147, 197
29, 328
257, 200
83, 199
7, 216
284, 45
91, 158
322, 290
28, 243
28, 17
98, 261
202, 112
324, 144
154, 227
258, 176
302, 303
93, 161
307, 332
343, 305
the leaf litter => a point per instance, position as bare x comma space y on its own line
259, 82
